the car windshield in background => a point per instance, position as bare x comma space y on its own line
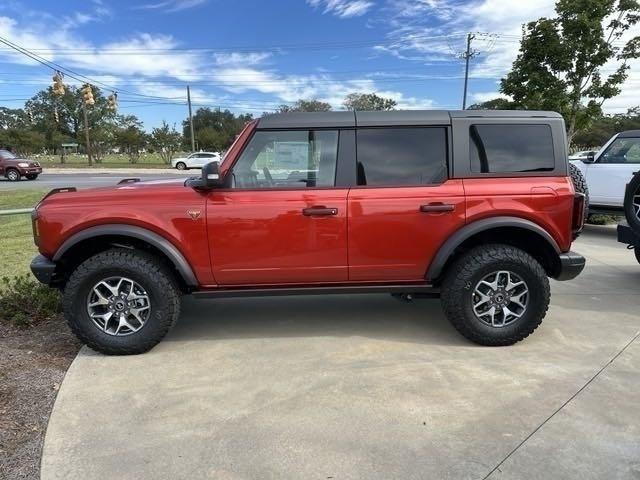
7, 154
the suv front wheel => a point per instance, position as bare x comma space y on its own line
495, 294
121, 302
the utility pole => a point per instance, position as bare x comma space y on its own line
193, 138
86, 130
467, 55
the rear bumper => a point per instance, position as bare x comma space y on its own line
627, 236
571, 265
43, 269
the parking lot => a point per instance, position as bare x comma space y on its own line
366, 387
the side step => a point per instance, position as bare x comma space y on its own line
418, 291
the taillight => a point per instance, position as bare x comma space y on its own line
34, 226
577, 219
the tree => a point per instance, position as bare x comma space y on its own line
494, 104
368, 101
560, 59
301, 105
166, 140
214, 129
130, 137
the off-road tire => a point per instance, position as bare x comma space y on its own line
580, 186
633, 189
32, 176
181, 166
141, 267
465, 273
13, 175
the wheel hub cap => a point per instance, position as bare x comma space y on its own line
118, 306
500, 298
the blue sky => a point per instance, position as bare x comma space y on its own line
250, 56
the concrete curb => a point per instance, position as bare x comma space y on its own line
16, 211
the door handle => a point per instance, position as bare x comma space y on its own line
437, 207
319, 211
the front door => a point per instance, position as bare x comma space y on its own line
283, 221
404, 207
608, 176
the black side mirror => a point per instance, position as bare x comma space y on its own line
210, 177
590, 158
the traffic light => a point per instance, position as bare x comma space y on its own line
112, 101
58, 85
56, 117
87, 95
30, 115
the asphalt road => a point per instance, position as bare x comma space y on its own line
364, 386
83, 180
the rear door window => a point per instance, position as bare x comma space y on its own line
511, 148
401, 156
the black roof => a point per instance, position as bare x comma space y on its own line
388, 118
629, 134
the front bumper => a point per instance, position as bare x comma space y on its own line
571, 265
30, 171
43, 269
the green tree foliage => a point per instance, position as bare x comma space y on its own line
166, 140
560, 60
368, 101
301, 105
494, 104
604, 127
215, 130
129, 137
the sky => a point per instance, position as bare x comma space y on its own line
251, 56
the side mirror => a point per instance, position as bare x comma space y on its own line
590, 158
210, 177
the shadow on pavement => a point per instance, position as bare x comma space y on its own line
373, 316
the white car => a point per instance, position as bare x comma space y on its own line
608, 171
195, 160
584, 154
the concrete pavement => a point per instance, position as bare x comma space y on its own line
366, 387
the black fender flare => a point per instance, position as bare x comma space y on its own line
166, 247
471, 229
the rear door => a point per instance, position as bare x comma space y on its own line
403, 207
608, 176
284, 221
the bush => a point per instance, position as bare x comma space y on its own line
601, 219
25, 302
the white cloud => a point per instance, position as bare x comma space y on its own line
240, 58
343, 8
170, 6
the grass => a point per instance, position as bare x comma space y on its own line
16, 237
146, 160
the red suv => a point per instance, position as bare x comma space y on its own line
14, 168
474, 207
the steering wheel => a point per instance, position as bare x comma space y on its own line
267, 175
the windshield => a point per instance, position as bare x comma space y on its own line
7, 154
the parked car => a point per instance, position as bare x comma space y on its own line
474, 207
629, 231
13, 167
195, 160
582, 155
608, 171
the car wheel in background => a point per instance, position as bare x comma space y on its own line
32, 176
121, 302
495, 294
580, 186
632, 204
13, 175
181, 166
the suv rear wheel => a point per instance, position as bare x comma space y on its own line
495, 294
632, 203
121, 302
13, 175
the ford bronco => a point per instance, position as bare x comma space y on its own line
476, 208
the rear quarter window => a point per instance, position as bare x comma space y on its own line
511, 148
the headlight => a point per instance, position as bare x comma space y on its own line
23, 164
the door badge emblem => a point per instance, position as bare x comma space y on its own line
194, 214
